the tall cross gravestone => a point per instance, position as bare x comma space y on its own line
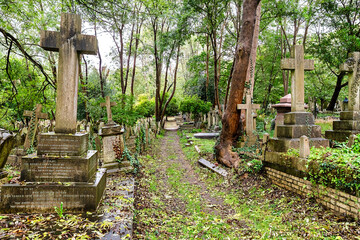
297, 64
63, 156
70, 43
249, 107
108, 104
350, 119
297, 123
35, 116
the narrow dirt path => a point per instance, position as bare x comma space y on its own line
175, 198
172, 147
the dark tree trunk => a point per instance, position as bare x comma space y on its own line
337, 90
231, 117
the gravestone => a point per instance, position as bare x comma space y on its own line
112, 138
35, 115
249, 107
349, 122
7, 141
297, 122
62, 170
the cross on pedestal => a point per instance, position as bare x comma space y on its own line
249, 107
351, 66
108, 106
34, 119
70, 43
297, 64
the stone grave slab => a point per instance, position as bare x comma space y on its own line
213, 167
60, 169
42, 197
58, 144
206, 135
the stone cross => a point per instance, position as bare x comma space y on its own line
108, 106
249, 107
297, 64
351, 66
70, 43
35, 116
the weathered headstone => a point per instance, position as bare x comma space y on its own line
298, 122
349, 122
249, 107
33, 124
112, 138
7, 142
70, 43
63, 170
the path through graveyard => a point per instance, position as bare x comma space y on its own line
175, 198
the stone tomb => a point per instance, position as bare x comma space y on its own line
112, 135
297, 123
62, 170
349, 120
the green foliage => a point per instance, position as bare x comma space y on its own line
254, 166
172, 108
194, 105
337, 168
123, 112
292, 152
144, 106
60, 210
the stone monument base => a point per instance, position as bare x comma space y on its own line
43, 197
58, 169
296, 124
349, 124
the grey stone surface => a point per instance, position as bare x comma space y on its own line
206, 135
213, 167
57, 144
42, 197
61, 169
70, 43
7, 142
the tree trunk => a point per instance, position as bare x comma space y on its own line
231, 117
336, 93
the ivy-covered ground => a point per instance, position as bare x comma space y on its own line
175, 198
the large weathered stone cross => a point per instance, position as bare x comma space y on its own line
297, 64
69, 42
351, 66
249, 107
35, 116
108, 106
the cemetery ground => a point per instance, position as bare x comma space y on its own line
176, 198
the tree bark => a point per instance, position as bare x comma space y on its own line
231, 117
336, 93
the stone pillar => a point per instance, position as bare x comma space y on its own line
304, 147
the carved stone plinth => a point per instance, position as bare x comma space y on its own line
348, 124
296, 124
43, 197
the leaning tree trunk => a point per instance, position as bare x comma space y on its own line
231, 117
337, 90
